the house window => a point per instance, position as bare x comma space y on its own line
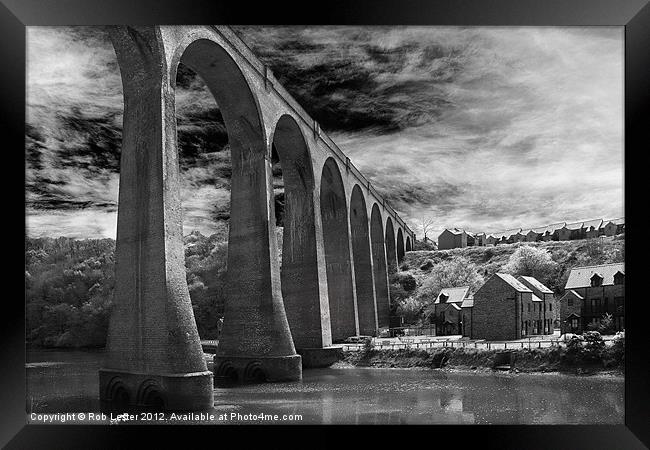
619, 278
570, 302
550, 306
529, 307
596, 280
574, 323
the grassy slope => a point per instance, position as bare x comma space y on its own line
567, 254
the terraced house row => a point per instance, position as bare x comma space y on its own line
508, 308
562, 231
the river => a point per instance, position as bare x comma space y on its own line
67, 381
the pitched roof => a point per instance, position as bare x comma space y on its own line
455, 306
512, 281
619, 221
456, 295
596, 223
573, 293
506, 233
581, 276
552, 228
453, 230
468, 302
573, 226
535, 283
536, 298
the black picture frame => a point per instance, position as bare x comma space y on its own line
634, 15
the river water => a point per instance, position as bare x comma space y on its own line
68, 382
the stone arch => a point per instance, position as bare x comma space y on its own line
117, 395
391, 253
400, 246
252, 248
382, 301
363, 276
299, 271
152, 321
254, 372
409, 246
226, 372
336, 240
150, 395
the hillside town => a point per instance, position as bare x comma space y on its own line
459, 238
509, 308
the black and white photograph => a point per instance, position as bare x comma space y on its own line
325, 224
371, 215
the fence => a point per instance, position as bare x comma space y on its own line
484, 345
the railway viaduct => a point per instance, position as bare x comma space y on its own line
341, 239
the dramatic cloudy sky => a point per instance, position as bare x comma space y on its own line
481, 128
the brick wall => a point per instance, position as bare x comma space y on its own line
605, 302
495, 314
566, 310
450, 314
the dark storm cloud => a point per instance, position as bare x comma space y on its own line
483, 128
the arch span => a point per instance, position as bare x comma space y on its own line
336, 240
363, 276
299, 271
391, 253
379, 266
400, 246
252, 247
409, 246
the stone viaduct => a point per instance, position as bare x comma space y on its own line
341, 239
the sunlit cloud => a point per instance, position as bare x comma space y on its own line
481, 128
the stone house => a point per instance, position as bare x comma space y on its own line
505, 309
570, 231
535, 234
551, 232
480, 239
520, 236
571, 312
597, 290
614, 226
452, 238
510, 236
593, 228
492, 239
550, 313
447, 310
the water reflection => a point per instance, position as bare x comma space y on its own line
67, 381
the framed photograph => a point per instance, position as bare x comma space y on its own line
365, 213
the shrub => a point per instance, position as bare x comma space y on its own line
574, 350
457, 272
410, 310
607, 325
532, 261
428, 264
406, 280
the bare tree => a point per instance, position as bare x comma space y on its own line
426, 225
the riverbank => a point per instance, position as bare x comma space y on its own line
544, 360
